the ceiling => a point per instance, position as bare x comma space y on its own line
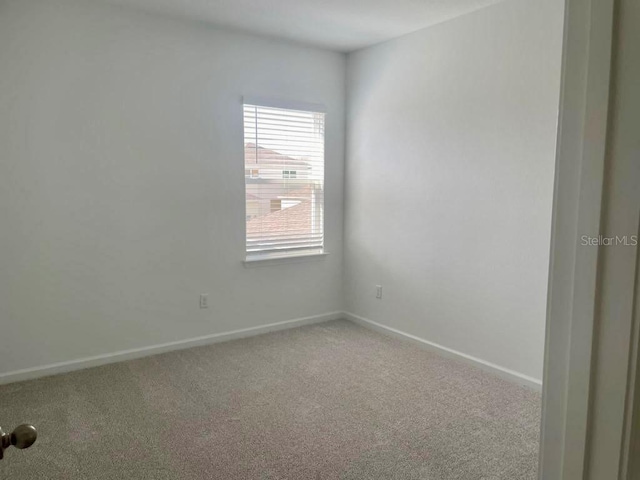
342, 25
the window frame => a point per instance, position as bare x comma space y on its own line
290, 255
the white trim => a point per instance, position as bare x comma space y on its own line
88, 362
571, 302
277, 259
284, 103
502, 372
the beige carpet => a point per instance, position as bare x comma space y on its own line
328, 401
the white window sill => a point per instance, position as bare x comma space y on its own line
273, 259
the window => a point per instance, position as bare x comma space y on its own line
285, 201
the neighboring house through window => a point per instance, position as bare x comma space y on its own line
284, 180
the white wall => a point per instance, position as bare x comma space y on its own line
450, 166
122, 180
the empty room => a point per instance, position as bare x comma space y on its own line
275, 239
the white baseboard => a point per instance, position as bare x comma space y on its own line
88, 362
502, 372
95, 361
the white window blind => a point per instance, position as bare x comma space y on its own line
284, 180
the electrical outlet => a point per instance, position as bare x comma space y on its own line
378, 291
204, 301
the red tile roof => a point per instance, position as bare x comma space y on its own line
292, 220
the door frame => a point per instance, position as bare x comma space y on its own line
577, 208
591, 390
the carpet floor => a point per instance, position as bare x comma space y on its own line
327, 401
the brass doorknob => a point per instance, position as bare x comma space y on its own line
22, 436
